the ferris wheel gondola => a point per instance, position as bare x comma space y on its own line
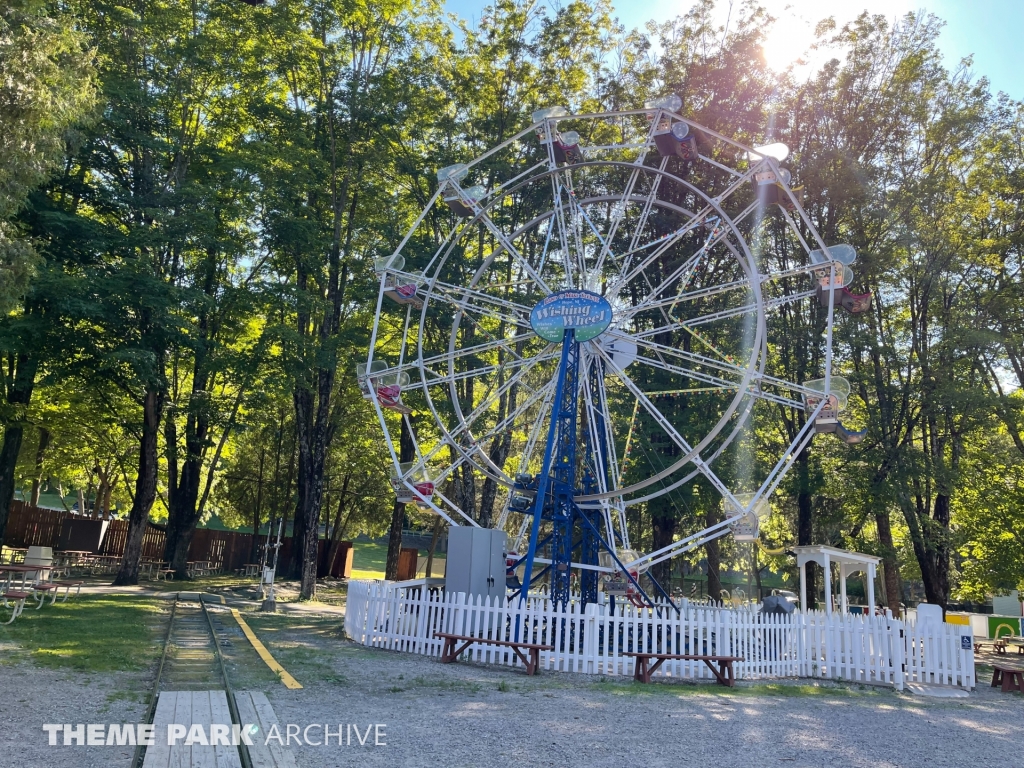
592, 334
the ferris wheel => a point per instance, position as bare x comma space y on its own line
608, 305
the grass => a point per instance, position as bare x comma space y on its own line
101, 633
369, 560
304, 645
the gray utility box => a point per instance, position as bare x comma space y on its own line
476, 561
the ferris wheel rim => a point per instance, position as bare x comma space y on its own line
738, 247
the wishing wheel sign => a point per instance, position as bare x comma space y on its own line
591, 331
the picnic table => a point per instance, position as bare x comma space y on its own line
1007, 678
14, 555
199, 568
24, 571
644, 668
451, 653
149, 566
72, 556
251, 569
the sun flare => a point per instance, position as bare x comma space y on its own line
786, 41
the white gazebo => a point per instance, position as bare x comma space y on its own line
849, 563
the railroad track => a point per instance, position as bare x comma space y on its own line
191, 660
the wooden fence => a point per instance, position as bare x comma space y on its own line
859, 648
29, 526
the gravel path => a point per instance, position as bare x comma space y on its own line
470, 715
480, 716
31, 696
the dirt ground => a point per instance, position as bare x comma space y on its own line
462, 714
475, 715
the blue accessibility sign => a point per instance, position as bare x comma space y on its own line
587, 313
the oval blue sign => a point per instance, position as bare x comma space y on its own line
587, 313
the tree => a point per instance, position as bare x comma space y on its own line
46, 86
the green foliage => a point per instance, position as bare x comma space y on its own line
209, 239
46, 86
989, 520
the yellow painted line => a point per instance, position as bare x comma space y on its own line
287, 679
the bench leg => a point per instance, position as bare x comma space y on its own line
727, 677
446, 654
639, 669
15, 610
997, 677
717, 673
1011, 681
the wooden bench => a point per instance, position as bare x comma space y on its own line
451, 653
19, 599
644, 668
165, 573
1009, 678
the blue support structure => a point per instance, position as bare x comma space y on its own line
558, 476
555, 489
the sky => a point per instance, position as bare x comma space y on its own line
991, 30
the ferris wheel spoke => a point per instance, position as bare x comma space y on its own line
666, 425
770, 304
476, 314
602, 444
523, 262
470, 373
529, 402
712, 381
558, 220
620, 207
471, 294
686, 266
549, 353
535, 430
652, 195
702, 293
692, 358
663, 245
477, 349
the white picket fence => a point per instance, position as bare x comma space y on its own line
858, 648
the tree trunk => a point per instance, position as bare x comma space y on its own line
336, 529
804, 526
37, 481
890, 567
145, 489
19, 395
298, 518
183, 517
433, 545
664, 531
257, 512
108, 492
406, 452
712, 554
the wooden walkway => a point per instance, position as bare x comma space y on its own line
208, 708
253, 707
204, 708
